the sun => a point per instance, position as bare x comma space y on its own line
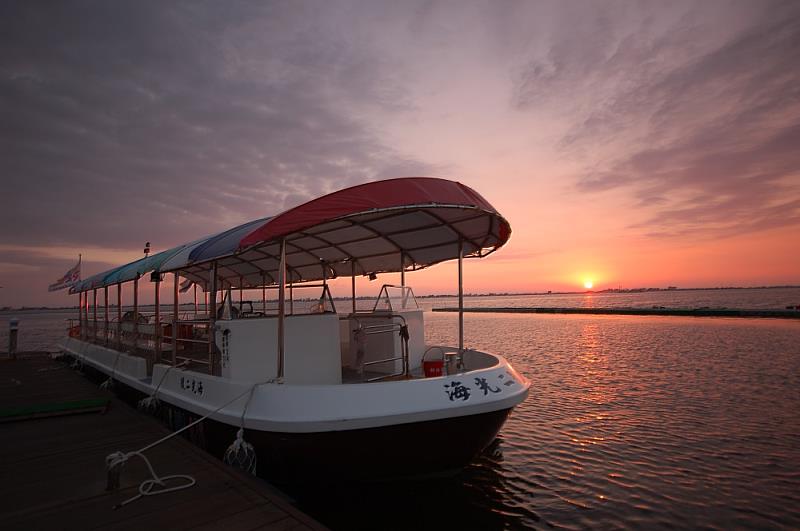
588, 284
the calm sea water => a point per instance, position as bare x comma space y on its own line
632, 422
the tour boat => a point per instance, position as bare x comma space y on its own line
320, 391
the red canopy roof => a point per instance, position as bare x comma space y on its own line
384, 226
379, 195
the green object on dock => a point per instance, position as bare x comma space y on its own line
89, 405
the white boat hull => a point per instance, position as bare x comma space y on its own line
421, 424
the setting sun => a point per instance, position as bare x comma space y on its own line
588, 284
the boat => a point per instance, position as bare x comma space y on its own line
353, 392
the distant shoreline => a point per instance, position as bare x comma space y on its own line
678, 312
453, 295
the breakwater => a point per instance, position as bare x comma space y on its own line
690, 312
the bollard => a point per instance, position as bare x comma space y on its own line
13, 329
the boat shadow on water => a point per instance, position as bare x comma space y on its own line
473, 498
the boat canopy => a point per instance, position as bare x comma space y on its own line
394, 225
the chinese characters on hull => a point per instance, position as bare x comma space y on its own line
456, 390
192, 385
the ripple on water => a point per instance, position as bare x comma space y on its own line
645, 422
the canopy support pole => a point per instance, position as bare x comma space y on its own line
175, 288
157, 301
194, 294
460, 300
94, 314
324, 278
264, 293
82, 297
105, 315
212, 315
135, 313
119, 316
353, 282
402, 269
281, 307
241, 295
291, 298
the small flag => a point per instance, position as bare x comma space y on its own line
70, 278
185, 285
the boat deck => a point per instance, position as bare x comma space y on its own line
56, 429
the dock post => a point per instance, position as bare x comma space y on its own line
13, 329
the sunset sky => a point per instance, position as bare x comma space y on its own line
630, 144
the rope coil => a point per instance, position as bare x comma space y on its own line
243, 452
115, 462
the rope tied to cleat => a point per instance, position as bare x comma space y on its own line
242, 456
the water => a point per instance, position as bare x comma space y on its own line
634, 422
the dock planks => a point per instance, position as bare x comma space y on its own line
53, 467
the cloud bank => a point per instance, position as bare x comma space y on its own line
696, 112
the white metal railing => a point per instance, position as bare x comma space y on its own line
186, 334
391, 327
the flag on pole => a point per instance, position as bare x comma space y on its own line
70, 278
185, 285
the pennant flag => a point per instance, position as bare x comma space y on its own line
185, 285
70, 278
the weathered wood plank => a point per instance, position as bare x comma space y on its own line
54, 475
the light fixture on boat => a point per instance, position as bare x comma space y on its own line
147, 249
372, 276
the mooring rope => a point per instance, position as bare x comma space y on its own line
151, 402
108, 384
118, 459
241, 453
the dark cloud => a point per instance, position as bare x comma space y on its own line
702, 124
169, 120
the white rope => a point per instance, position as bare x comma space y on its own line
146, 486
151, 402
241, 454
108, 384
77, 364
118, 459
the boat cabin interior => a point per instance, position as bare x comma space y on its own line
377, 340
390, 226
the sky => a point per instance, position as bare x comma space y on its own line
630, 144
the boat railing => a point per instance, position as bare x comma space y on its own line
158, 341
192, 342
395, 298
390, 327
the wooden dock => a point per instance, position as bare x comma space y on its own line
56, 429
686, 312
